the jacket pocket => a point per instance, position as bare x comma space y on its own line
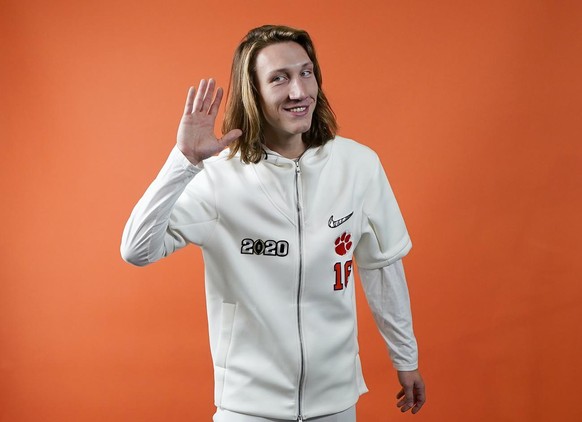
227, 316
362, 388
227, 313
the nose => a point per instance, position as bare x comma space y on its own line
297, 89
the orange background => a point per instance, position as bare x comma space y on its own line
474, 107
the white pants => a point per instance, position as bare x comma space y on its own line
223, 415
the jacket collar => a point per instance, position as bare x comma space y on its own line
310, 157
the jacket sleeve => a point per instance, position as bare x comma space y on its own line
176, 209
384, 238
387, 295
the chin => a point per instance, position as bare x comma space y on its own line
304, 128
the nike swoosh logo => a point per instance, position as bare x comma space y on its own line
334, 223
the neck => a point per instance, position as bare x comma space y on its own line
288, 148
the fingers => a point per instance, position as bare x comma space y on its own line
216, 102
208, 94
199, 99
406, 396
420, 399
411, 397
202, 100
189, 100
402, 398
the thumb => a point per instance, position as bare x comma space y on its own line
230, 137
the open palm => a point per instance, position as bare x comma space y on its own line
196, 137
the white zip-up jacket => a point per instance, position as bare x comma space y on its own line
278, 239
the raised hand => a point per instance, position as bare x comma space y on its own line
196, 137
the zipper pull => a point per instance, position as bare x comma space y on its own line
297, 168
299, 418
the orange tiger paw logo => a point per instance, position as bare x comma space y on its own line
343, 243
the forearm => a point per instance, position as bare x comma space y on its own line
145, 238
387, 294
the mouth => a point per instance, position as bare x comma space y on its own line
298, 110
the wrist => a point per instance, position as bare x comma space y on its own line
193, 158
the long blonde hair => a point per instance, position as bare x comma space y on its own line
242, 108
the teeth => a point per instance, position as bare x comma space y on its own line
297, 109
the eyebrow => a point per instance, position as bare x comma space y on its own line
284, 69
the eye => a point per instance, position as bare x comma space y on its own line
306, 73
278, 79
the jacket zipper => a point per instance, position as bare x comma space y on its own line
300, 233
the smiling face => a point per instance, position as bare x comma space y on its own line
287, 89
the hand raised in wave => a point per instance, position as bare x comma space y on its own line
196, 137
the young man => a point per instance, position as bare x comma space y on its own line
279, 217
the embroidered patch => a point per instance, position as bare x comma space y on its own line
343, 243
264, 247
